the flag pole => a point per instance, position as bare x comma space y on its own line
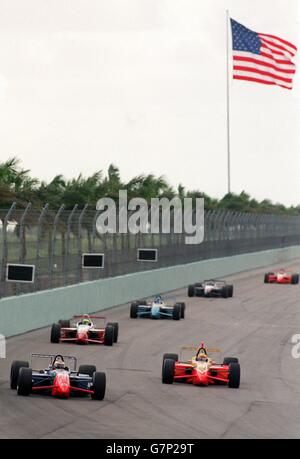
228, 110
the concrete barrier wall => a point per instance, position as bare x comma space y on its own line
28, 312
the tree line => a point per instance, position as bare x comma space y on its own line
17, 184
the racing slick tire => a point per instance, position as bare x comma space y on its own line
182, 308
55, 333
25, 381
295, 279
87, 370
234, 375
14, 372
64, 323
230, 290
176, 312
109, 335
191, 291
115, 325
224, 292
228, 360
99, 385
174, 357
168, 371
266, 278
134, 310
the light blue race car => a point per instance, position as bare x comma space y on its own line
157, 309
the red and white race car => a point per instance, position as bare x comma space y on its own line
201, 370
281, 277
83, 331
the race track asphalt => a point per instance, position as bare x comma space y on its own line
256, 326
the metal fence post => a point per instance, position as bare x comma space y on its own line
52, 243
66, 258
213, 225
4, 250
94, 229
79, 243
38, 244
22, 240
235, 226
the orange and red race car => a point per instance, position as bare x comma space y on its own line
201, 370
83, 331
281, 277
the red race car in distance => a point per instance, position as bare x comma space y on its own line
281, 277
83, 331
201, 370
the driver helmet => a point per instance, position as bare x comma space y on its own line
59, 363
86, 320
158, 300
202, 357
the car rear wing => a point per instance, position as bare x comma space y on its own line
215, 280
209, 350
89, 317
51, 357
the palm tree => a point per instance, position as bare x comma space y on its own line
149, 186
16, 183
82, 190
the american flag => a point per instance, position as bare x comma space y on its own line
262, 58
